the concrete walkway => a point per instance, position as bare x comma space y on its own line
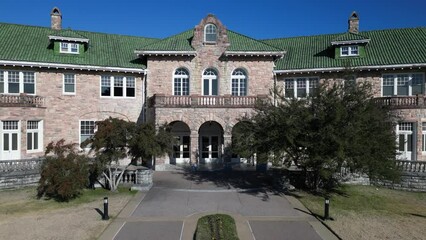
171, 209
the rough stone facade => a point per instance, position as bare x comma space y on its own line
62, 113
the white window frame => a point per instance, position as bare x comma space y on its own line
21, 81
65, 83
351, 49
395, 83
211, 33
236, 75
68, 47
307, 85
178, 76
126, 84
38, 130
79, 131
423, 138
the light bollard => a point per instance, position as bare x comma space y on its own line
327, 208
105, 216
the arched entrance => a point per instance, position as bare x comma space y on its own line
210, 142
181, 150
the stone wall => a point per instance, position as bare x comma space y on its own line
15, 174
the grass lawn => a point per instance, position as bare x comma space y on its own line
217, 226
23, 216
367, 212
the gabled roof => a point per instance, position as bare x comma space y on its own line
182, 43
386, 48
350, 38
31, 44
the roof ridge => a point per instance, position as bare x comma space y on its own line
254, 40
77, 31
167, 38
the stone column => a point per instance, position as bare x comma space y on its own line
227, 154
194, 148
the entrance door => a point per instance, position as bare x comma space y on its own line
405, 140
209, 148
10, 140
181, 149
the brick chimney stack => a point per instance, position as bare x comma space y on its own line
353, 23
56, 19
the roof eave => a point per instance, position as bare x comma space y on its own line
165, 53
360, 68
255, 54
70, 66
334, 43
69, 39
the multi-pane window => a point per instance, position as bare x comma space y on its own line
1, 81
424, 137
87, 129
239, 83
403, 84
118, 86
210, 33
10, 135
34, 135
69, 47
349, 51
300, 87
17, 82
69, 83
181, 82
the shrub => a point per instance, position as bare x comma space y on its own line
64, 173
217, 226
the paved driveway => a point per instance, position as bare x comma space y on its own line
171, 208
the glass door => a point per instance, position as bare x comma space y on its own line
10, 138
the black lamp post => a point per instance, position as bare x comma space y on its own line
105, 216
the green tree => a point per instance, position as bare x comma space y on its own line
64, 172
116, 139
335, 127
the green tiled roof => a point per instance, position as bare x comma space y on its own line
178, 42
348, 36
182, 42
386, 47
67, 33
29, 43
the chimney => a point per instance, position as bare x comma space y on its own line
56, 19
353, 23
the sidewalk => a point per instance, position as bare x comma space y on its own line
171, 209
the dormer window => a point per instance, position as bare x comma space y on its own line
349, 51
69, 48
210, 33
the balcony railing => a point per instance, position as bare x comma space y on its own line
418, 101
21, 101
412, 166
226, 101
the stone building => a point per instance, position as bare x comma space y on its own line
56, 83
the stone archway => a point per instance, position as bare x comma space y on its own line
182, 148
210, 142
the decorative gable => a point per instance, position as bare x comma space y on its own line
210, 31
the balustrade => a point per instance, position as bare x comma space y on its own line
227, 101
21, 101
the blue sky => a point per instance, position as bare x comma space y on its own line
260, 19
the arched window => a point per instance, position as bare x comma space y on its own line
210, 33
181, 82
210, 82
239, 82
